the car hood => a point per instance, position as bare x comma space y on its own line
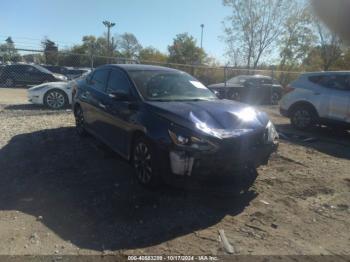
60, 85
219, 118
222, 85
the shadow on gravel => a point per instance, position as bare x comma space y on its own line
330, 141
87, 195
33, 107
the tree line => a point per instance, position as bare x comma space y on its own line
259, 34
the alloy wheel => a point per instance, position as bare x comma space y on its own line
142, 163
55, 100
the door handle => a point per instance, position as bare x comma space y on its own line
102, 105
317, 93
85, 95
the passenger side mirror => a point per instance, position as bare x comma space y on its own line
119, 96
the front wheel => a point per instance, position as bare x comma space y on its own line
275, 98
55, 99
80, 121
145, 164
9, 82
303, 117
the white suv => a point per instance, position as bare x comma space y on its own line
318, 98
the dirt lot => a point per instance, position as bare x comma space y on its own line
60, 194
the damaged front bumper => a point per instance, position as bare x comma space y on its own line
187, 163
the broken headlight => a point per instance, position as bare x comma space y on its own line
271, 134
188, 141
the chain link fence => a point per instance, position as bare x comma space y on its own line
22, 67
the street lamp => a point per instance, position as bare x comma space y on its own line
202, 26
108, 24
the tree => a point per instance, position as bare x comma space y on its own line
152, 54
330, 46
129, 46
255, 27
50, 51
184, 50
297, 38
8, 51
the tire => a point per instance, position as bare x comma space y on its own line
55, 99
303, 117
9, 82
79, 121
235, 95
275, 98
144, 161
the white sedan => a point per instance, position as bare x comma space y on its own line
55, 95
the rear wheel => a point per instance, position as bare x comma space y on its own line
303, 117
275, 97
145, 164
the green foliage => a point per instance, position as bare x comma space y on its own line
184, 50
8, 53
50, 51
152, 54
129, 46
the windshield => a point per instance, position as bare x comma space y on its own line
42, 69
169, 86
238, 80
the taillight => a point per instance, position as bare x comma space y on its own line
288, 89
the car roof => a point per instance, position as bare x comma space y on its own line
138, 67
324, 73
254, 76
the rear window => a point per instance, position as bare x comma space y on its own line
337, 81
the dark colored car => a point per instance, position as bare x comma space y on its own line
169, 125
254, 89
27, 74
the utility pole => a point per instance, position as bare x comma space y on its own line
108, 24
202, 26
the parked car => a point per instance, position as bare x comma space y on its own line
169, 125
55, 95
56, 69
250, 88
318, 98
27, 74
73, 73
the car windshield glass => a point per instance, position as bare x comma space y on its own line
169, 86
238, 80
42, 69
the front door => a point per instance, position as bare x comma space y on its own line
118, 111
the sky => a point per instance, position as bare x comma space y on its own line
154, 22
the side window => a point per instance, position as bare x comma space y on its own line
342, 82
119, 82
31, 69
99, 79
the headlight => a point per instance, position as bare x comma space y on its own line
271, 133
190, 141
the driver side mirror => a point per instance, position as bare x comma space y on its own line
119, 96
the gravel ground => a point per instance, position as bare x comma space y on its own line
60, 194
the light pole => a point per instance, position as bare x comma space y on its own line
202, 26
108, 24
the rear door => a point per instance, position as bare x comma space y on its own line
339, 104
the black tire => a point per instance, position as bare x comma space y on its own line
56, 99
9, 82
235, 95
275, 98
144, 161
303, 117
79, 121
